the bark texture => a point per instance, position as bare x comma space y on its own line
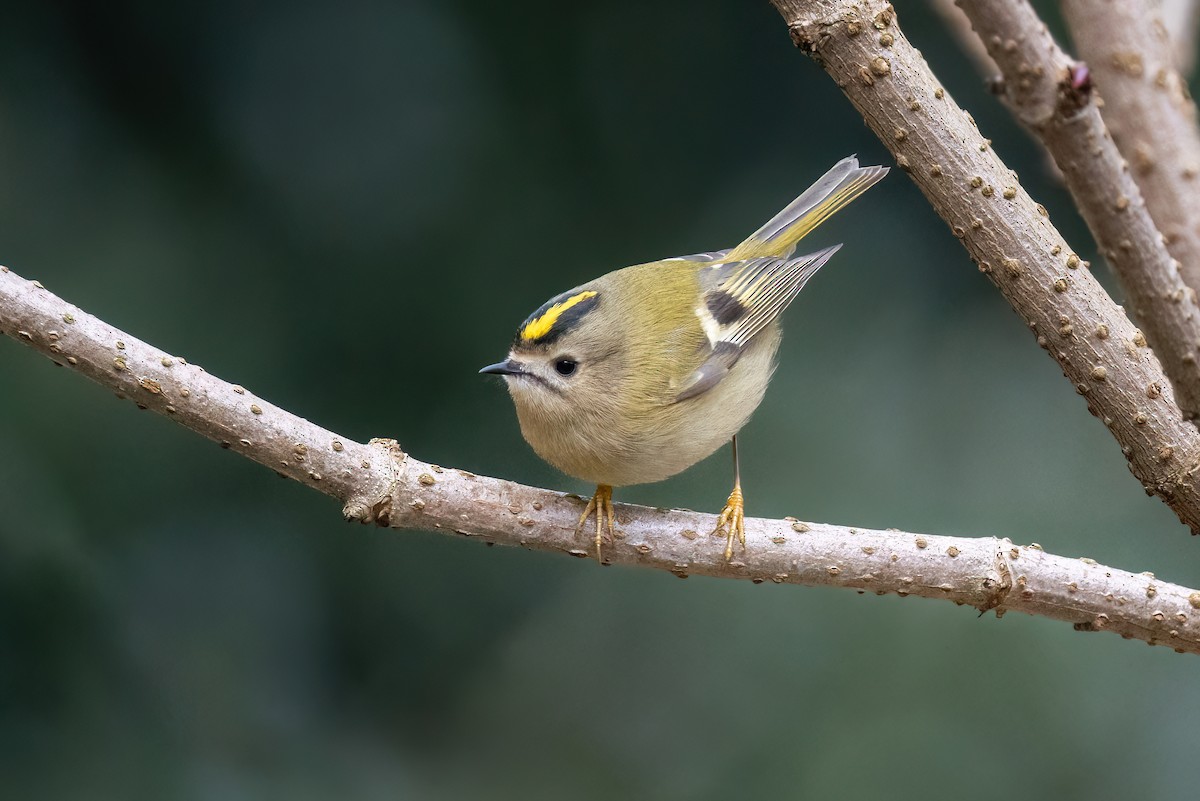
379, 483
1149, 111
1051, 95
1010, 237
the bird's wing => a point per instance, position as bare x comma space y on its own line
738, 300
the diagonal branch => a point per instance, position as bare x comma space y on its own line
1149, 111
1051, 95
861, 46
379, 483
960, 28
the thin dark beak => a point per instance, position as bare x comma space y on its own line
506, 367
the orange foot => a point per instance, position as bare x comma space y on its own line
733, 521
601, 504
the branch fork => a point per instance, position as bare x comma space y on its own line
1010, 237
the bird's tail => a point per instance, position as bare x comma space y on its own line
833, 191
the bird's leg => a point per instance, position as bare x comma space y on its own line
601, 504
733, 516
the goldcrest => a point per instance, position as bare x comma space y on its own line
641, 373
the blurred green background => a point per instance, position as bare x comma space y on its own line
349, 208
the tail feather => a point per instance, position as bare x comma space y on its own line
844, 182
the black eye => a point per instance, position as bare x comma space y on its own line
565, 366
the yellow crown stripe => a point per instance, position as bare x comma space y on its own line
540, 326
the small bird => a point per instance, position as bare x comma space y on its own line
641, 373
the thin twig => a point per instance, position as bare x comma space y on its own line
861, 46
1051, 95
1149, 111
379, 483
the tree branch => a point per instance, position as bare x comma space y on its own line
379, 483
1149, 111
861, 46
1180, 17
960, 28
1051, 95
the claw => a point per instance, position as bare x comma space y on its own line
601, 504
733, 521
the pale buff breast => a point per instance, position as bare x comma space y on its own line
603, 445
